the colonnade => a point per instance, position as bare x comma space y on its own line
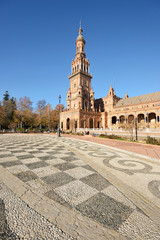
142, 118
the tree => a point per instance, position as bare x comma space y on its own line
47, 116
131, 127
61, 107
54, 120
1, 115
41, 104
24, 104
9, 106
6, 96
24, 112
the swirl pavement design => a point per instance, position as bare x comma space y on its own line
68, 171
154, 187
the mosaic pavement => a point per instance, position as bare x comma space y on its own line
53, 167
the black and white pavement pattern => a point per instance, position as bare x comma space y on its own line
49, 167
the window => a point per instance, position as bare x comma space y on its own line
74, 85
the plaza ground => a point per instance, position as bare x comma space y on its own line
144, 149
78, 188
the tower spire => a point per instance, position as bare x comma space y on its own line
80, 24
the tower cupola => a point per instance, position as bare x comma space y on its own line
80, 36
80, 63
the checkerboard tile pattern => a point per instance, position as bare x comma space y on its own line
53, 170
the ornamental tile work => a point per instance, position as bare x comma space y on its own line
63, 176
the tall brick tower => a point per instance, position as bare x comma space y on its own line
80, 94
80, 112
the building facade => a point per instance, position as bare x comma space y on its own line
84, 111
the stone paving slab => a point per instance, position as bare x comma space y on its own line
127, 169
98, 189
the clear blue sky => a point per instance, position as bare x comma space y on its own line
37, 45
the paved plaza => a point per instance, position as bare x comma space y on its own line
65, 188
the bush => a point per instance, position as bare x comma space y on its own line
110, 136
103, 136
69, 132
20, 130
30, 130
151, 140
80, 134
113, 136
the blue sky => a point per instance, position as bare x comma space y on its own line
37, 46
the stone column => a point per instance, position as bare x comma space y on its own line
147, 120
126, 118
157, 115
84, 123
117, 120
93, 123
103, 119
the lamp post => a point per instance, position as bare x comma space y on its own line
59, 116
136, 119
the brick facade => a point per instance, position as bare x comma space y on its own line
83, 111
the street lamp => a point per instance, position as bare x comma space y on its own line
59, 116
136, 120
147, 114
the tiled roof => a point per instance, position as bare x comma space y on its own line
151, 97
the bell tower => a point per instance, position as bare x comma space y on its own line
80, 95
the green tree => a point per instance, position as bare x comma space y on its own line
1, 115
6, 96
9, 106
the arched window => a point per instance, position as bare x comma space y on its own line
91, 123
68, 124
114, 119
122, 118
152, 117
82, 124
131, 119
140, 118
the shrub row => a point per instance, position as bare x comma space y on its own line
151, 140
